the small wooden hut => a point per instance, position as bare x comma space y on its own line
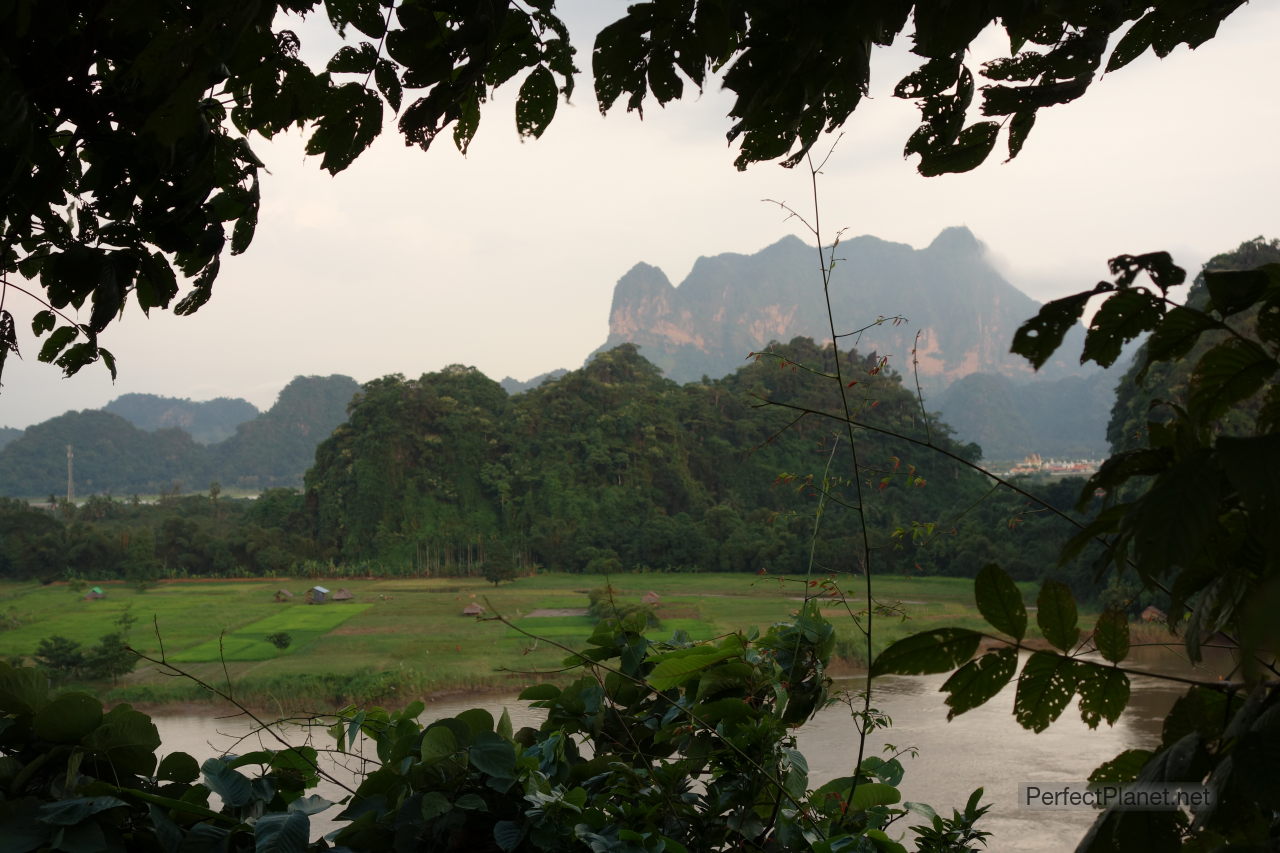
651, 598
317, 595
475, 608
343, 594
283, 596
94, 594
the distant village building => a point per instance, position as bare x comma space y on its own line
475, 608
283, 595
651, 598
94, 594
343, 595
317, 595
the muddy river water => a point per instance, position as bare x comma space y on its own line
982, 748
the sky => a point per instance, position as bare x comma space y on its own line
506, 259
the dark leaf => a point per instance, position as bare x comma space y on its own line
1000, 602
231, 785
351, 60
1122, 317
1133, 43
1056, 615
930, 651
969, 151
57, 342
1159, 266
1230, 372
178, 767
1019, 127
1232, 291
1039, 338
536, 104
351, 121
388, 81
1045, 687
508, 834
277, 832
1111, 635
492, 755
979, 680
1123, 768
1104, 693
73, 811
42, 322
1174, 337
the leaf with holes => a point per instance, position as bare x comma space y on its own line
928, 652
979, 681
1111, 635
1045, 687
536, 104
1104, 693
1230, 372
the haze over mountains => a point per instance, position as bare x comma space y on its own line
948, 296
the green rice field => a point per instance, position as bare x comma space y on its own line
403, 638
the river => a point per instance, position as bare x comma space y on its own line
982, 748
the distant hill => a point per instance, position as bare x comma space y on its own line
731, 304
515, 386
8, 434
277, 447
208, 422
112, 456
1060, 418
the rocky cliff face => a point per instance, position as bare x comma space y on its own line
731, 305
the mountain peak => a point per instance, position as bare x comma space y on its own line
955, 239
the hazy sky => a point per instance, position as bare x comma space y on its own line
506, 259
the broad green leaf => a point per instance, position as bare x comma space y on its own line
127, 738
927, 652
539, 692
1104, 693
536, 103
1045, 687
494, 756
477, 719
23, 690
884, 844
311, 804
979, 680
57, 342
73, 811
435, 804
1000, 602
1123, 768
871, 794
472, 803
676, 668
1111, 635
1174, 337
229, 784
277, 832
504, 728
508, 834
68, 718
1056, 615
438, 743
890, 772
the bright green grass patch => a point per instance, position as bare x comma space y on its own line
302, 622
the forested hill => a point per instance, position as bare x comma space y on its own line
614, 466
207, 421
112, 456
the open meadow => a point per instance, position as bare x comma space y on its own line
398, 639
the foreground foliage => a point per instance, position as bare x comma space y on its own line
1191, 512
674, 746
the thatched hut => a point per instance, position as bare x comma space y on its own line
651, 598
283, 596
343, 595
475, 608
317, 595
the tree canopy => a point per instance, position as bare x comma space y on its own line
125, 127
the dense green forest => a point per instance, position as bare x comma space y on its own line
207, 421
608, 468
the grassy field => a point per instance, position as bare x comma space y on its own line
403, 638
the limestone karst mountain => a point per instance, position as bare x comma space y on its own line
730, 305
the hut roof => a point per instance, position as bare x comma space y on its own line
343, 595
473, 609
651, 597
283, 593
98, 590
320, 589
